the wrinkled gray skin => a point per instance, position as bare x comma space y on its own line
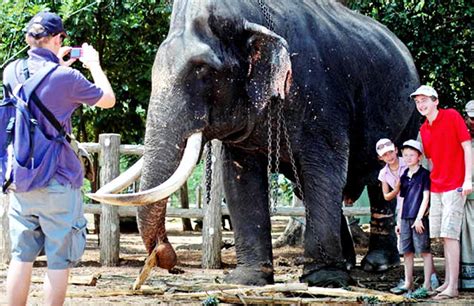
348, 86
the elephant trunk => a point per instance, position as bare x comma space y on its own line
171, 152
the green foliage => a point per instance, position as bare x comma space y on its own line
194, 182
126, 33
439, 35
368, 300
282, 189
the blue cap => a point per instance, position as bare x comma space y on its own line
51, 24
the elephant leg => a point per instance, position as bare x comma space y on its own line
325, 264
382, 254
245, 186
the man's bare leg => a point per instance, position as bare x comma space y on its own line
451, 253
446, 270
18, 282
55, 286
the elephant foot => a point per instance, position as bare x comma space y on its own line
251, 276
327, 277
380, 261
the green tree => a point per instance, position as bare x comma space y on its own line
126, 33
439, 35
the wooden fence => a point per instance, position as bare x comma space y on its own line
109, 150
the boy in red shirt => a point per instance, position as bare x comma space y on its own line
447, 146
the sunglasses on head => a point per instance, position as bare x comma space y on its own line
382, 145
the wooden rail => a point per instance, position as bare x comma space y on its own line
109, 150
198, 213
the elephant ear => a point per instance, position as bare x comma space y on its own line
269, 72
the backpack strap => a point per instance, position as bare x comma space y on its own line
7, 91
25, 71
32, 83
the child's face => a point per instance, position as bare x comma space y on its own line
425, 105
411, 156
389, 157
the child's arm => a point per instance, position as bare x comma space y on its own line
399, 218
390, 195
467, 185
418, 225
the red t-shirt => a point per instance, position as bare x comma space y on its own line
442, 144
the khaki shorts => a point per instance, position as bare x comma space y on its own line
49, 219
446, 214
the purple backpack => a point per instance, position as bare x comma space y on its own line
28, 156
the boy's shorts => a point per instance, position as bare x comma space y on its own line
446, 214
49, 219
411, 241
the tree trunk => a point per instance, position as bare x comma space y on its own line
183, 195
294, 231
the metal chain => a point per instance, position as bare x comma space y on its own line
277, 155
281, 123
272, 182
266, 15
208, 172
269, 157
290, 152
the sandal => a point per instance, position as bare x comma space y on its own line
400, 290
420, 293
444, 296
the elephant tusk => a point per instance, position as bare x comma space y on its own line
123, 180
179, 177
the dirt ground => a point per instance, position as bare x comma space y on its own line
113, 286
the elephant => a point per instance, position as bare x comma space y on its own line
318, 81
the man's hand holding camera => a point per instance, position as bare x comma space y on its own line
90, 56
63, 51
86, 54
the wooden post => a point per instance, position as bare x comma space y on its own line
109, 218
5, 243
212, 229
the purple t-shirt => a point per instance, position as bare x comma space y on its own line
385, 175
62, 92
